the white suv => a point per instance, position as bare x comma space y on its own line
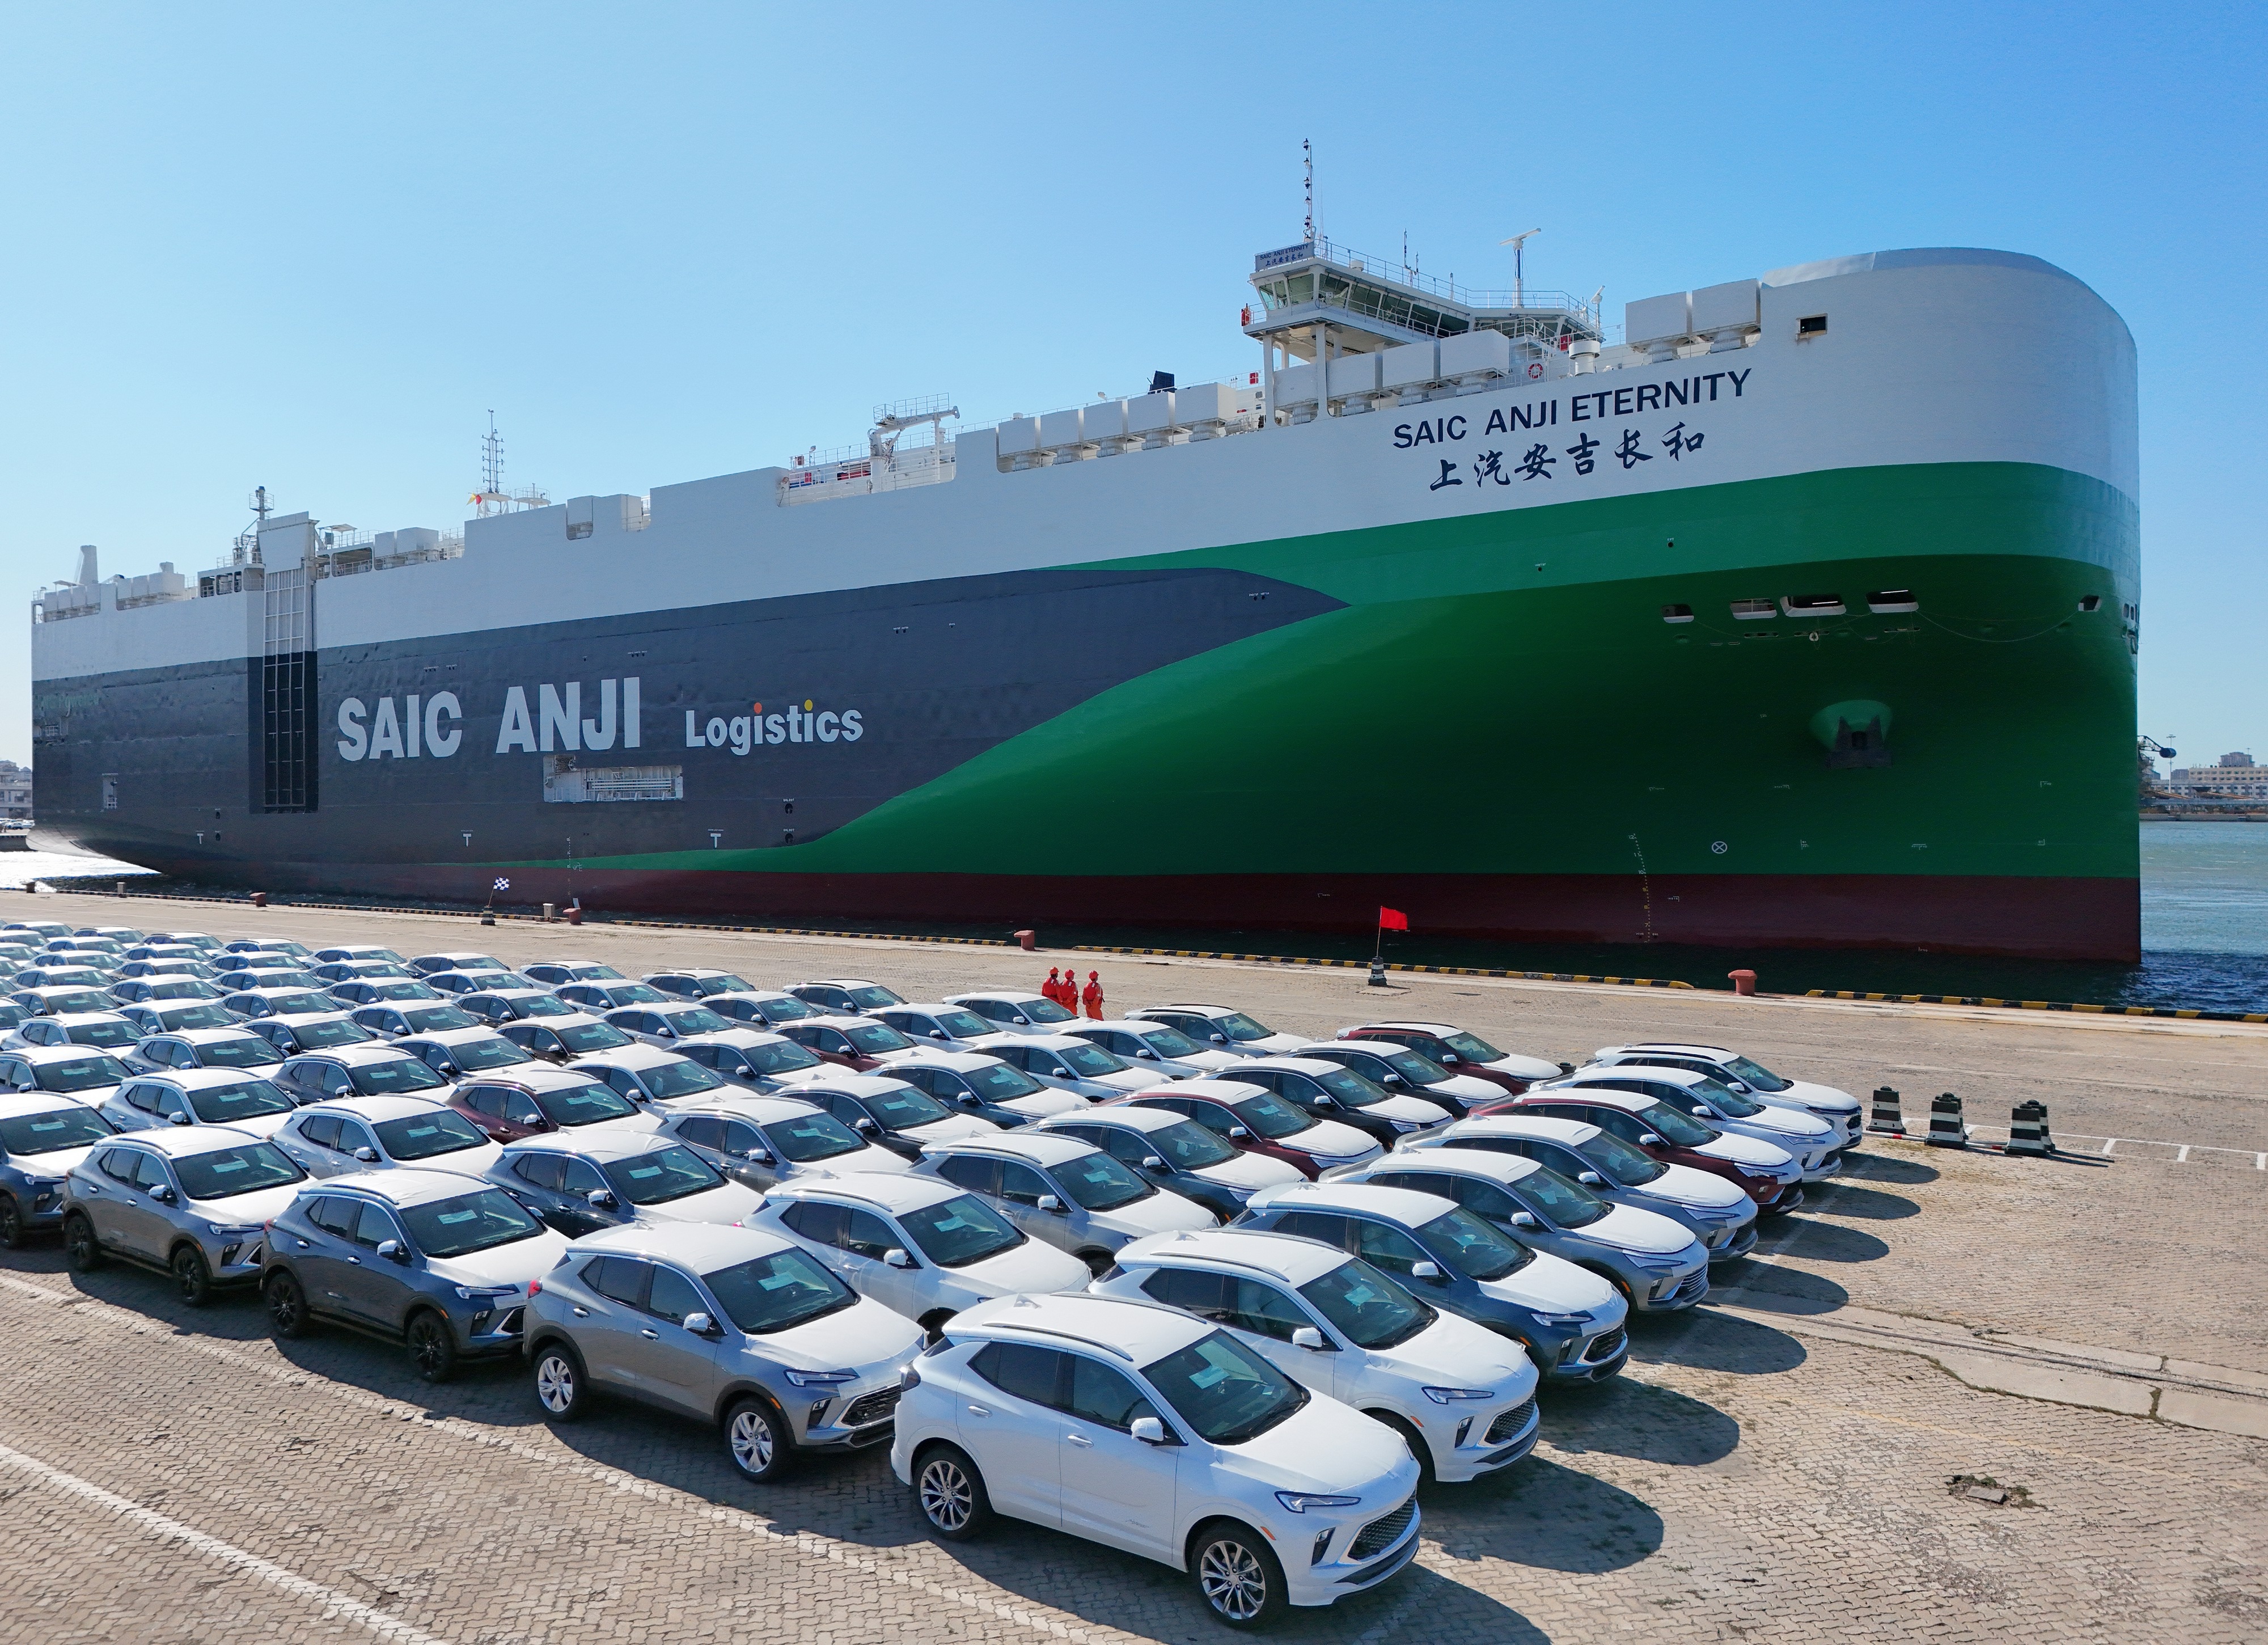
1143, 1429
1462, 1398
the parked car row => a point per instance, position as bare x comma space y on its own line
1174, 1282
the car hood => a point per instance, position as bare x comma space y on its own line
261, 1126
1040, 1104
61, 1162
1805, 1093
1204, 1057
1465, 1088
1454, 1353
1269, 1045
1034, 1266
1530, 1068
1163, 1211
516, 1264
262, 1204
1703, 1189
952, 1128
1122, 1080
1739, 1150
866, 1338
1329, 1447
1791, 1122
1332, 1141
1552, 1285
474, 1162
1631, 1229
727, 1203
644, 1119
1414, 1111
873, 1157
1252, 1170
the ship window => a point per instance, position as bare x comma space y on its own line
1886, 601
2091, 602
1753, 610
1811, 325
1812, 605
1677, 613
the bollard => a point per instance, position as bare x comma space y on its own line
122, 888
488, 917
1745, 982
1946, 1129
2028, 1130
551, 912
1378, 975
1027, 941
260, 899
575, 914
1888, 1119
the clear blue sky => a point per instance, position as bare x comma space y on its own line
310, 246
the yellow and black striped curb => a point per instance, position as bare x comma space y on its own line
2185, 1013
1363, 965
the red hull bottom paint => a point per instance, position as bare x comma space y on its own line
2049, 918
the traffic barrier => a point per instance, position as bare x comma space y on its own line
1946, 1129
2028, 1130
1888, 1118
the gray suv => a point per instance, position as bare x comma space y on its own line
737, 1327
434, 1260
41, 1138
194, 1201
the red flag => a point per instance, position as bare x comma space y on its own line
1393, 919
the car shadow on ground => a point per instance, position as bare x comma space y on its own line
1543, 1514
1868, 1205
1822, 1240
1775, 1289
1703, 1339
1643, 1420
1885, 1168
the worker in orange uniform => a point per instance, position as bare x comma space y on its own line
1052, 988
1093, 994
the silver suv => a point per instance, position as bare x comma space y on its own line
194, 1201
41, 1138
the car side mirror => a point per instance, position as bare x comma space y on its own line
1146, 1052
366, 1155
177, 1117
1220, 1039
1425, 1270
1591, 1179
896, 1257
865, 1127
1149, 1430
602, 1198
937, 1033
1153, 1163
1737, 1086
1394, 1079
163, 1194
1324, 1102
1238, 1133
969, 1099
1048, 1202
1649, 1140
1022, 1022
445, 1067
392, 1250
700, 1324
1310, 1338
1524, 1220
762, 1156
1448, 1057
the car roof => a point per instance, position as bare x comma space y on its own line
1514, 1123
1497, 1167
690, 970
450, 1036
1201, 1010
599, 1143
931, 1057
175, 1141
761, 1108
1225, 1089
1143, 1119
1295, 1065
855, 1084
704, 1247
1406, 1206
1285, 1257
54, 1054
1140, 1333
634, 1055
1044, 1042
1667, 1076
534, 1076
890, 1190
1604, 1096
511, 993
67, 1018
202, 1078
995, 993
1027, 1143
374, 1108
926, 1004
207, 1036
404, 1185
1390, 1023
1132, 1025
16, 1104
269, 991
375, 1050
1369, 1048
748, 994
1677, 1048
835, 1019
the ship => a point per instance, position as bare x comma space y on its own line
1804, 613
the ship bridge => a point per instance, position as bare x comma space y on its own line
1321, 302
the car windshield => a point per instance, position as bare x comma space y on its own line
1621, 1164
226, 1172
301, 1005
1189, 1145
666, 1174
1099, 1183
582, 1037
438, 1019
1369, 1309
593, 971
872, 996
961, 1231
1475, 1248
1240, 1028
426, 1136
196, 1017
488, 982
1091, 1060
220, 1104
725, 984
875, 1039
322, 1035
961, 1024
470, 1222
492, 1050
1270, 1115
697, 1019
1568, 1204
82, 977
997, 1082
1755, 1074
405, 988
1166, 1042
102, 1033
1725, 1100
1672, 1126
680, 1078
631, 993
368, 954
391, 1076
539, 1006
1471, 1047
1351, 1089
784, 1058
785, 1009
80, 1073
73, 1003
72, 1127
776, 1293
251, 1051
1225, 1391
808, 1137
1416, 1069
582, 1105
903, 1107
183, 988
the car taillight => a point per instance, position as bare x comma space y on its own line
535, 1288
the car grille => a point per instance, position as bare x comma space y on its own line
511, 1323
870, 1407
1508, 1423
1381, 1534
1603, 1348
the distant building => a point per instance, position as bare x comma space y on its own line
15, 792
2234, 777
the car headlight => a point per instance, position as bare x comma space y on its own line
1444, 1396
820, 1379
1661, 1263
482, 1292
44, 1182
1301, 1502
228, 1231
1406, 1124
1562, 1321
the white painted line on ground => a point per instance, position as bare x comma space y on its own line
335, 1603
2183, 1156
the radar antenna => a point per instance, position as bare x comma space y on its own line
1519, 244
246, 549
1307, 158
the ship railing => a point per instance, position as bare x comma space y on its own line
857, 472
1409, 275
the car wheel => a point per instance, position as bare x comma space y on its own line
287, 1306
951, 1494
81, 1249
756, 1438
559, 1386
1412, 1438
1098, 1262
433, 1345
12, 1223
1237, 1577
192, 1275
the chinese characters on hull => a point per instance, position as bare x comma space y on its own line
1629, 448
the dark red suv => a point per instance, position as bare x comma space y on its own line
533, 1098
857, 1042
1461, 1053
1669, 1135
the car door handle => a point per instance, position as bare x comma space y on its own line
1079, 1440
650, 1336
299, 1241
979, 1411
357, 1261
582, 1313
